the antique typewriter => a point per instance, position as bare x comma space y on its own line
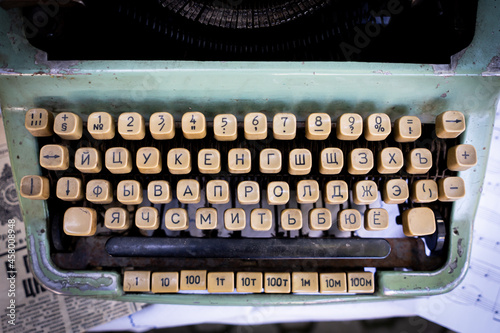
279, 152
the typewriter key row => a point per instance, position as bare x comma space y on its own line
360, 161
189, 191
132, 126
248, 282
82, 221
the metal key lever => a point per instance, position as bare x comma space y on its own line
248, 248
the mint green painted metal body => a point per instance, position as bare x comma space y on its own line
470, 84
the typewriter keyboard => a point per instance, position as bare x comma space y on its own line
260, 204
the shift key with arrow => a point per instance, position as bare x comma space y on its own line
54, 157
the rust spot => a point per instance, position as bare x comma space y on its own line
455, 231
452, 266
460, 249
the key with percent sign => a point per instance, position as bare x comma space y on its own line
378, 127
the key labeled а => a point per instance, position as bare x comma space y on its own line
188, 191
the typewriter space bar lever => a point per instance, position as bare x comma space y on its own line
249, 248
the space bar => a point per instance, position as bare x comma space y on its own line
249, 248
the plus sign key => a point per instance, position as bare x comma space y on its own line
68, 126
461, 157
450, 124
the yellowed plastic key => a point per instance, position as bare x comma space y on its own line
291, 219
39, 122
451, 189
165, 282
450, 124
277, 283
80, 221
176, 219
99, 191
261, 219
305, 282
333, 283
131, 126
68, 126
54, 157
318, 126
249, 282
148, 160
360, 283
136, 281
101, 126
220, 282
206, 218
284, 126
117, 218
162, 126
118, 160
225, 127
88, 160
129, 192
193, 280
461, 157
194, 125
147, 218
35, 187
69, 189
234, 219
419, 221
377, 127
407, 129
217, 191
